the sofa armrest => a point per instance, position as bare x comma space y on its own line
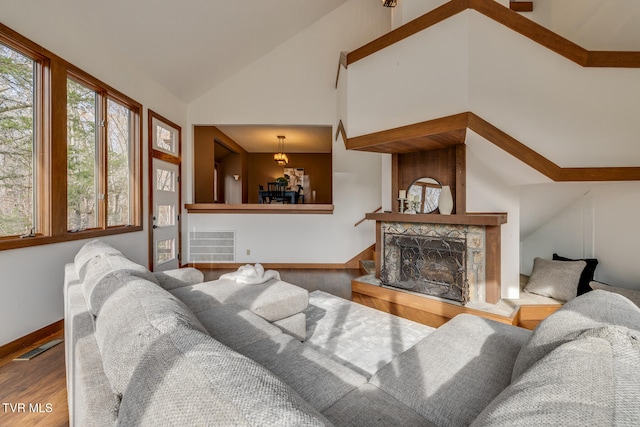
173, 279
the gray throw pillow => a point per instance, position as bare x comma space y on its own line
555, 279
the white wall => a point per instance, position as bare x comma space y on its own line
424, 76
31, 280
295, 84
574, 116
487, 192
592, 24
601, 224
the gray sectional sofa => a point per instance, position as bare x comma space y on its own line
169, 349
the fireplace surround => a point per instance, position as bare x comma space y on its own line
454, 257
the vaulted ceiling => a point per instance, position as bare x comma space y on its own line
189, 46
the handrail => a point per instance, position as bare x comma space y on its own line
385, 142
510, 19
365, 218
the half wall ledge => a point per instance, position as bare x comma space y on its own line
258, 208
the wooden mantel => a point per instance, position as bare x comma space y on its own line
486, 219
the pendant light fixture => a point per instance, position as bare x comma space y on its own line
389, 3
281, 158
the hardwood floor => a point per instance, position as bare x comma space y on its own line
34, 392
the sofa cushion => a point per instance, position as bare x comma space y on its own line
131, 321
632, 295
90, 250
587, 273
236, 326
318, 379
273, 300
179, 277
295, 325
452, 374
555, 279
593, 309
592, 380
190, 379
105, 274
369, 406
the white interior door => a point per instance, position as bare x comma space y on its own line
164, 141
166, 211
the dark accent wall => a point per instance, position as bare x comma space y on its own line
204, 158
262, 169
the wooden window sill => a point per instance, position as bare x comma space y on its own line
258, 208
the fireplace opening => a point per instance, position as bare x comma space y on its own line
432, 265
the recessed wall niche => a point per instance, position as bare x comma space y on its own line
445, 165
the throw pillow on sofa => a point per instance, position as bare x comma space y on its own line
592, 380
587, 273
591, 310
93, 249
555, 279
130, 325
105, 274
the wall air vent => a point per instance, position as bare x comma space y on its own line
212, 246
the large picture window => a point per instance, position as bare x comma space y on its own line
17, 142
70, 149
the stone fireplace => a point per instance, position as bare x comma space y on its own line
446, 261
453, 257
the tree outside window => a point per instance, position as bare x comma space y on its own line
17, 141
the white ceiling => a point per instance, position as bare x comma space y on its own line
189, 46
263, 138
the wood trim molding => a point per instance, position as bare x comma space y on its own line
477, 218
341, 63
354, 263
409, 138
412, 137
258, 208
544, 165
23, 344
510, 19
340, 131
425, 21
273, 266
440, 308
521, 6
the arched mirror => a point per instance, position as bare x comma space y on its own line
426, 192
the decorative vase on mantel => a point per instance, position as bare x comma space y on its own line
445, 201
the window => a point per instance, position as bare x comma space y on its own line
92, 179
82, 156
53, 114
17, 142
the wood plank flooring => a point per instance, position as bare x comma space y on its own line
34, 392
41, 381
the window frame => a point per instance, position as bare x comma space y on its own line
51, 149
